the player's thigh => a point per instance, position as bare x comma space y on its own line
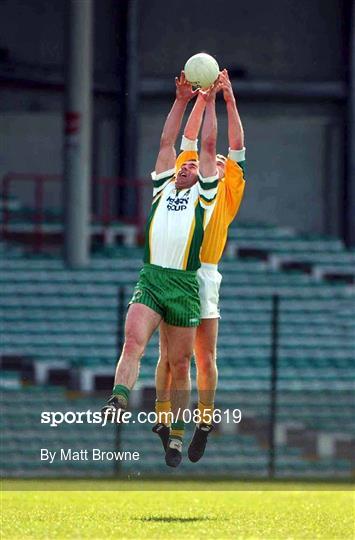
180, 342
206, 340
141, 321
163, 343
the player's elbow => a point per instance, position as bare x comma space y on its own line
208, 146
165, 142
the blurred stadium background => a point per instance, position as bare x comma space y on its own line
85, 86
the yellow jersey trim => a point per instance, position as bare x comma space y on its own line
188, 246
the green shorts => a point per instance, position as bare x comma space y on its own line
174, 294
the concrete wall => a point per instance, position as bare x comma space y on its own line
278, 39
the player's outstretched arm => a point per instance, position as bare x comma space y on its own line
235, 127
167, 155
193, 124
208, 176
234, 170
209, 133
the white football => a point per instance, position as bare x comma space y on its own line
201, 70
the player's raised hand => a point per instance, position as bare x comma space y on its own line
184, 90
209, 94
226, 86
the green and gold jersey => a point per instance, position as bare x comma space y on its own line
177, 220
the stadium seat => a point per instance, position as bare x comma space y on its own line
51, 314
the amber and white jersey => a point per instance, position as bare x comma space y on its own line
229, 197
177, 220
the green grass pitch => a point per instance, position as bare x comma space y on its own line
197, 510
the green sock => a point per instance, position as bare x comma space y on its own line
121, 391
177, 430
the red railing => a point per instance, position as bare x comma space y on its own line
107, 190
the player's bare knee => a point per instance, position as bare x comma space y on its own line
163, 359
180, 367
207, 362
133, 346
181, 371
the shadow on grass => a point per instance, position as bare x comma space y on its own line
171, 519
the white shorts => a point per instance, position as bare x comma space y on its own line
209, 280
